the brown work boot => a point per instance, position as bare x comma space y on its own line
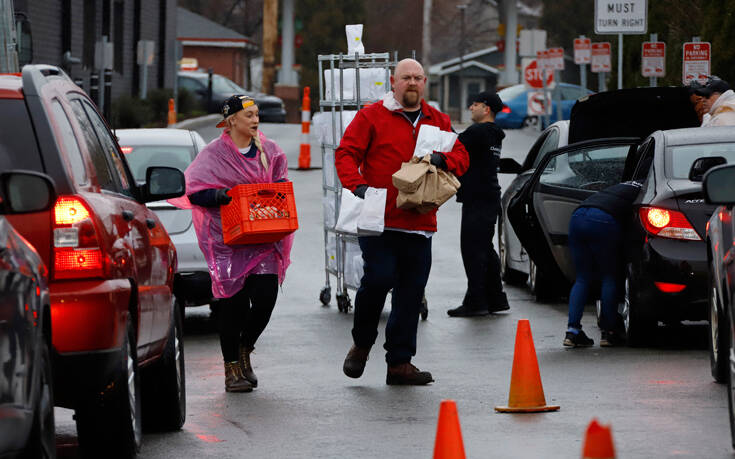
246, 367
234, 380
355, 361
405, 374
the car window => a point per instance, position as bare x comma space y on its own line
644, 163
141, 157
550, 144
679, 159
69, 140
587, 168
511, 92
190, 84
97, 155
109, 147
18, 147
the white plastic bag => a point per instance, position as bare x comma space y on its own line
431, 139
354, 39
349, 212
372, 216
328, 207
354, 264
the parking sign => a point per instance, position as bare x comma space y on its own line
696, 61
601, 57
653, 62
582, 50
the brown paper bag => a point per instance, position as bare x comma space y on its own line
408, 178
447, 186
411, 200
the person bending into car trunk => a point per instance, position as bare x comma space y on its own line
480, 198
245, 278
596, 240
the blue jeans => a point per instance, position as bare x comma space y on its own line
401, 262
595, 240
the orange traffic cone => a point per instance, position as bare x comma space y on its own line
449, 443
305, 148
598, 443
171, 112
526, 391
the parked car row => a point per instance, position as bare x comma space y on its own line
88, 274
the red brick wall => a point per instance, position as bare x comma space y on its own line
228, 62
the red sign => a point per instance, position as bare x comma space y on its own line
582, 50
532, 75
653, 62
601, 57
556, 58
696, 61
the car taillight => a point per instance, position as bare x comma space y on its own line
77, 252
505, 109
667, 223
668, 287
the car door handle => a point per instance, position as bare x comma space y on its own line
128, 215
150, 223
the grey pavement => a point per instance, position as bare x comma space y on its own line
661, 401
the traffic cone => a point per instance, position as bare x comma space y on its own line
305, 150
526, 391
448, 443
171, 112
598, 443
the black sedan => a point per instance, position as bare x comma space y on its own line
26, 384
718, 189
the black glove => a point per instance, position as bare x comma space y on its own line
360, 191
222, 197
437, 159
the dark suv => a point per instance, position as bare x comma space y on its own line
116, 339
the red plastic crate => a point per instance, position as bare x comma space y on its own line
259, 213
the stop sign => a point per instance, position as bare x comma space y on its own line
532, 76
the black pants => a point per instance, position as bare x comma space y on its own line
244, 316
481, 261
398, 261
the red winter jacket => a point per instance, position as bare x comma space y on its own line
375, 145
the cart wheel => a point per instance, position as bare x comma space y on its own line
325, 295
424, 309
343, 303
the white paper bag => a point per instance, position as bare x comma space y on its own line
372, 216
431, 139
446, 141
354, 39
349, 211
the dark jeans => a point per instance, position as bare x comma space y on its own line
398, 261
596, 243
481, 261
244, 316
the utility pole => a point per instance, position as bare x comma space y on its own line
287, 76
511, 30
270, 36
426, 36
462, 9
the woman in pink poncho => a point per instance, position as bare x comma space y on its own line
245, 277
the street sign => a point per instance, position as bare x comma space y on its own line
653, 62
531, 41
538, 103
556, 58
614, 17
582, 50
601, 57
696, 61
532, 75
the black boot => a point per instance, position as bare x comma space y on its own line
246, 367
467, 311
405, 374
355, 361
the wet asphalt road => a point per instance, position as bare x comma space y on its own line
660, 401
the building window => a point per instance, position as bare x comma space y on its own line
119, 36
90, 32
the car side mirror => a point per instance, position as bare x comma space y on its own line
24, 192
701, 165
717, 185
509, 166
163, 183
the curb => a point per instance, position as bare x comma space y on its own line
194, 123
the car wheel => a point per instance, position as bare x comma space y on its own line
164, 385
718, 350
114, 423
42, 442
539, 283
509, 275
639, 327
530, 121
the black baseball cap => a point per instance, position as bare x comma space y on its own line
712, 85
234, 104
490, 99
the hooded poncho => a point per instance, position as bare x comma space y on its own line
221, 165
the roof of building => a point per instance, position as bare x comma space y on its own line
195, 27
442, 67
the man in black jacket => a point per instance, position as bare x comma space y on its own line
480, 198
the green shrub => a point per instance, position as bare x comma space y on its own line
130, 112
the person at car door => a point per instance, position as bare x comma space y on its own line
380, 138
596, 242
480, 198
698, 102
244, 277
719, 102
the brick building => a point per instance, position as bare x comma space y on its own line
75, 26
213, 45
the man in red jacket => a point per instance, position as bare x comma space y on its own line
375, 144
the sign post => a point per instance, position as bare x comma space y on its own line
653, 62
582, 57
536, 80
621, 18
696, 63
601, 62
556, 63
